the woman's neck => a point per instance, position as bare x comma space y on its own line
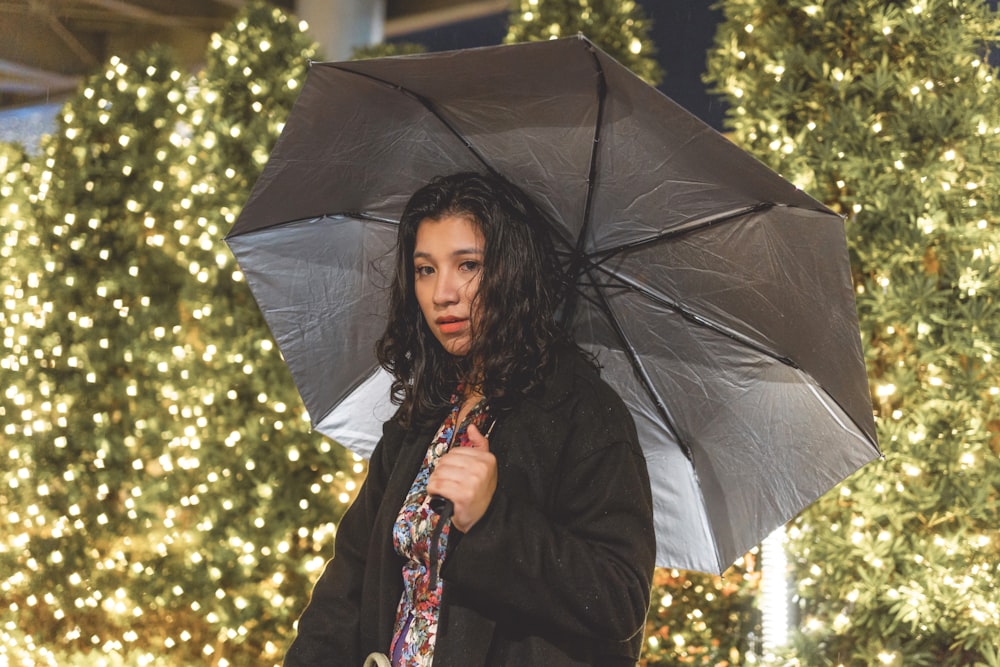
471, 395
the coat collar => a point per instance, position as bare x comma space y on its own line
567, 365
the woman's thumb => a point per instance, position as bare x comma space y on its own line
476, 439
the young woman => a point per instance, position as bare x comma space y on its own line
544, 556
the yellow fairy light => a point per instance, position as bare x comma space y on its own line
885, 390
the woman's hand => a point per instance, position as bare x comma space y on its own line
467, 476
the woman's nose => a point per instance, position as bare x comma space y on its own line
446, 288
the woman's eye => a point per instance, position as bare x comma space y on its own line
424, 270
470, 265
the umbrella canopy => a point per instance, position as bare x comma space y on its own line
716, 296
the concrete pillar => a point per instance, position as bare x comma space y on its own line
338, 26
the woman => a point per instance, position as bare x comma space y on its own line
548, 555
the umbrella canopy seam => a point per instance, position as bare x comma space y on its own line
602, 92
692, 316
640, 371
702, 321
346, 215
427, 104
688, 228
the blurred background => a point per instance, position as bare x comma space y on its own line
47, 46
163, 500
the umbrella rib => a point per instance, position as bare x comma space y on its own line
426, 103
602, 94
602, 256
692, 316
640, 370
578, 261
366, 217
596, 260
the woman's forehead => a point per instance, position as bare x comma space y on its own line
450, 234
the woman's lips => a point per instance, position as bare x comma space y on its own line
452, 326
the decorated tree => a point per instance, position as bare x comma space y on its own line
83, 310
386, 49
889, 112
696, 619
164, 500
619, 27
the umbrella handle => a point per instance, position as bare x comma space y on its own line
444, 508
441, 505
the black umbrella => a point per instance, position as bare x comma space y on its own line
716, 295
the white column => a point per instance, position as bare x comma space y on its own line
338, 26
774, 590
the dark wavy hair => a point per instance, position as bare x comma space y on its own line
522, 284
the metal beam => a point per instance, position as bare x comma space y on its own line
463, 11
140, 14
63, 33
21, 79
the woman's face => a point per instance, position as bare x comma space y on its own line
448, 264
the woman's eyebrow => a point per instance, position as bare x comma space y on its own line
418, 254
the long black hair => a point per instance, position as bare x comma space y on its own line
515, 331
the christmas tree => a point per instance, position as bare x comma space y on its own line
386, 49
890, 114
697, 619
619, 27
165, 502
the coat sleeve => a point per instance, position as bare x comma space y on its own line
328, 630
583, 566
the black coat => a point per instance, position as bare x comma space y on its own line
558, 570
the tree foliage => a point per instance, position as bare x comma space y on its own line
619, 27
889, 112
163, 497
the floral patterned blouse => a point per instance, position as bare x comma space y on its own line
417, 614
